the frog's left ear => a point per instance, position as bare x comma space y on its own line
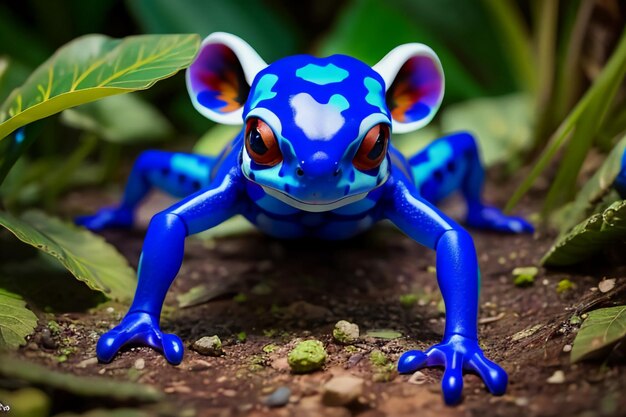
220, 77
414, 81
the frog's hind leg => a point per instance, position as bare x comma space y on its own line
452, 163
178, 174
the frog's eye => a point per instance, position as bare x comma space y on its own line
261, 143
373, 148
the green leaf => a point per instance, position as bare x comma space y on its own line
502, 125
125, 118
84, 386
93, 67
86, 255
259, 25
595, 190
16, 321
599, 332
589, 237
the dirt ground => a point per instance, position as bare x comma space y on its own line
275, 293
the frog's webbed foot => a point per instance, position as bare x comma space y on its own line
456, 354
140, 328
490, 218
107, 218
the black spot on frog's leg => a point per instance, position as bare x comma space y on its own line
438, 175
451, 166
346, 190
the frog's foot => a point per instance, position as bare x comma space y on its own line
456, 354
140, 328
107, 218
491, 218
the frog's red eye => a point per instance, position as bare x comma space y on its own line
261, 143
373, 148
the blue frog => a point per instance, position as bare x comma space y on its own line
314, 159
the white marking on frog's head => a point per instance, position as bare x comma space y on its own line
319, 121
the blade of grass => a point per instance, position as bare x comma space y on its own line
514, 34
546, 14
569, 75
612, 74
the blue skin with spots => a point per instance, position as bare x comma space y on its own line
319, 110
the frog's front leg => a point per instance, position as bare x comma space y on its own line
458, 277
160, 261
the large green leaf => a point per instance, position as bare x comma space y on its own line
600, 331
589, 237
261, 26
16, 321
86, 255
594, 191
502, 125
84, 386
123, 118
93, 67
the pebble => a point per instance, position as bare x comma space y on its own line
307, 356
46, 340
87, 362
278, 398
140, 364
567, 348
110, 310
606, 285
345, 332
342, 390
558, 377
418, 378
208, 345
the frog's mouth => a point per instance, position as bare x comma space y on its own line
314, 207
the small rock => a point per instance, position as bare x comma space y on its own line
87, 362
209, 346
521, 402
307, 356
354, 360
47, 341
567, 348
418, 378
558, 377
342, 390
278, 398
110, 310
606, 285
345, 332
140, 364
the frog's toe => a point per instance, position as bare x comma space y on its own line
107, 218
495, 378
491, 218
173, 349
110, 343
411, 361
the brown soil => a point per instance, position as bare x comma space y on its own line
298, 290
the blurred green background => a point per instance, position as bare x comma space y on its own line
514, 70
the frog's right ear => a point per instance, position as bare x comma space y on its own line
414, 84
220, 77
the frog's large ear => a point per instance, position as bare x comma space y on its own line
219, 78
414, 81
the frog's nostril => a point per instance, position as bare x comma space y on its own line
299, 172
337, 172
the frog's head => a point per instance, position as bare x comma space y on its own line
316, 130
